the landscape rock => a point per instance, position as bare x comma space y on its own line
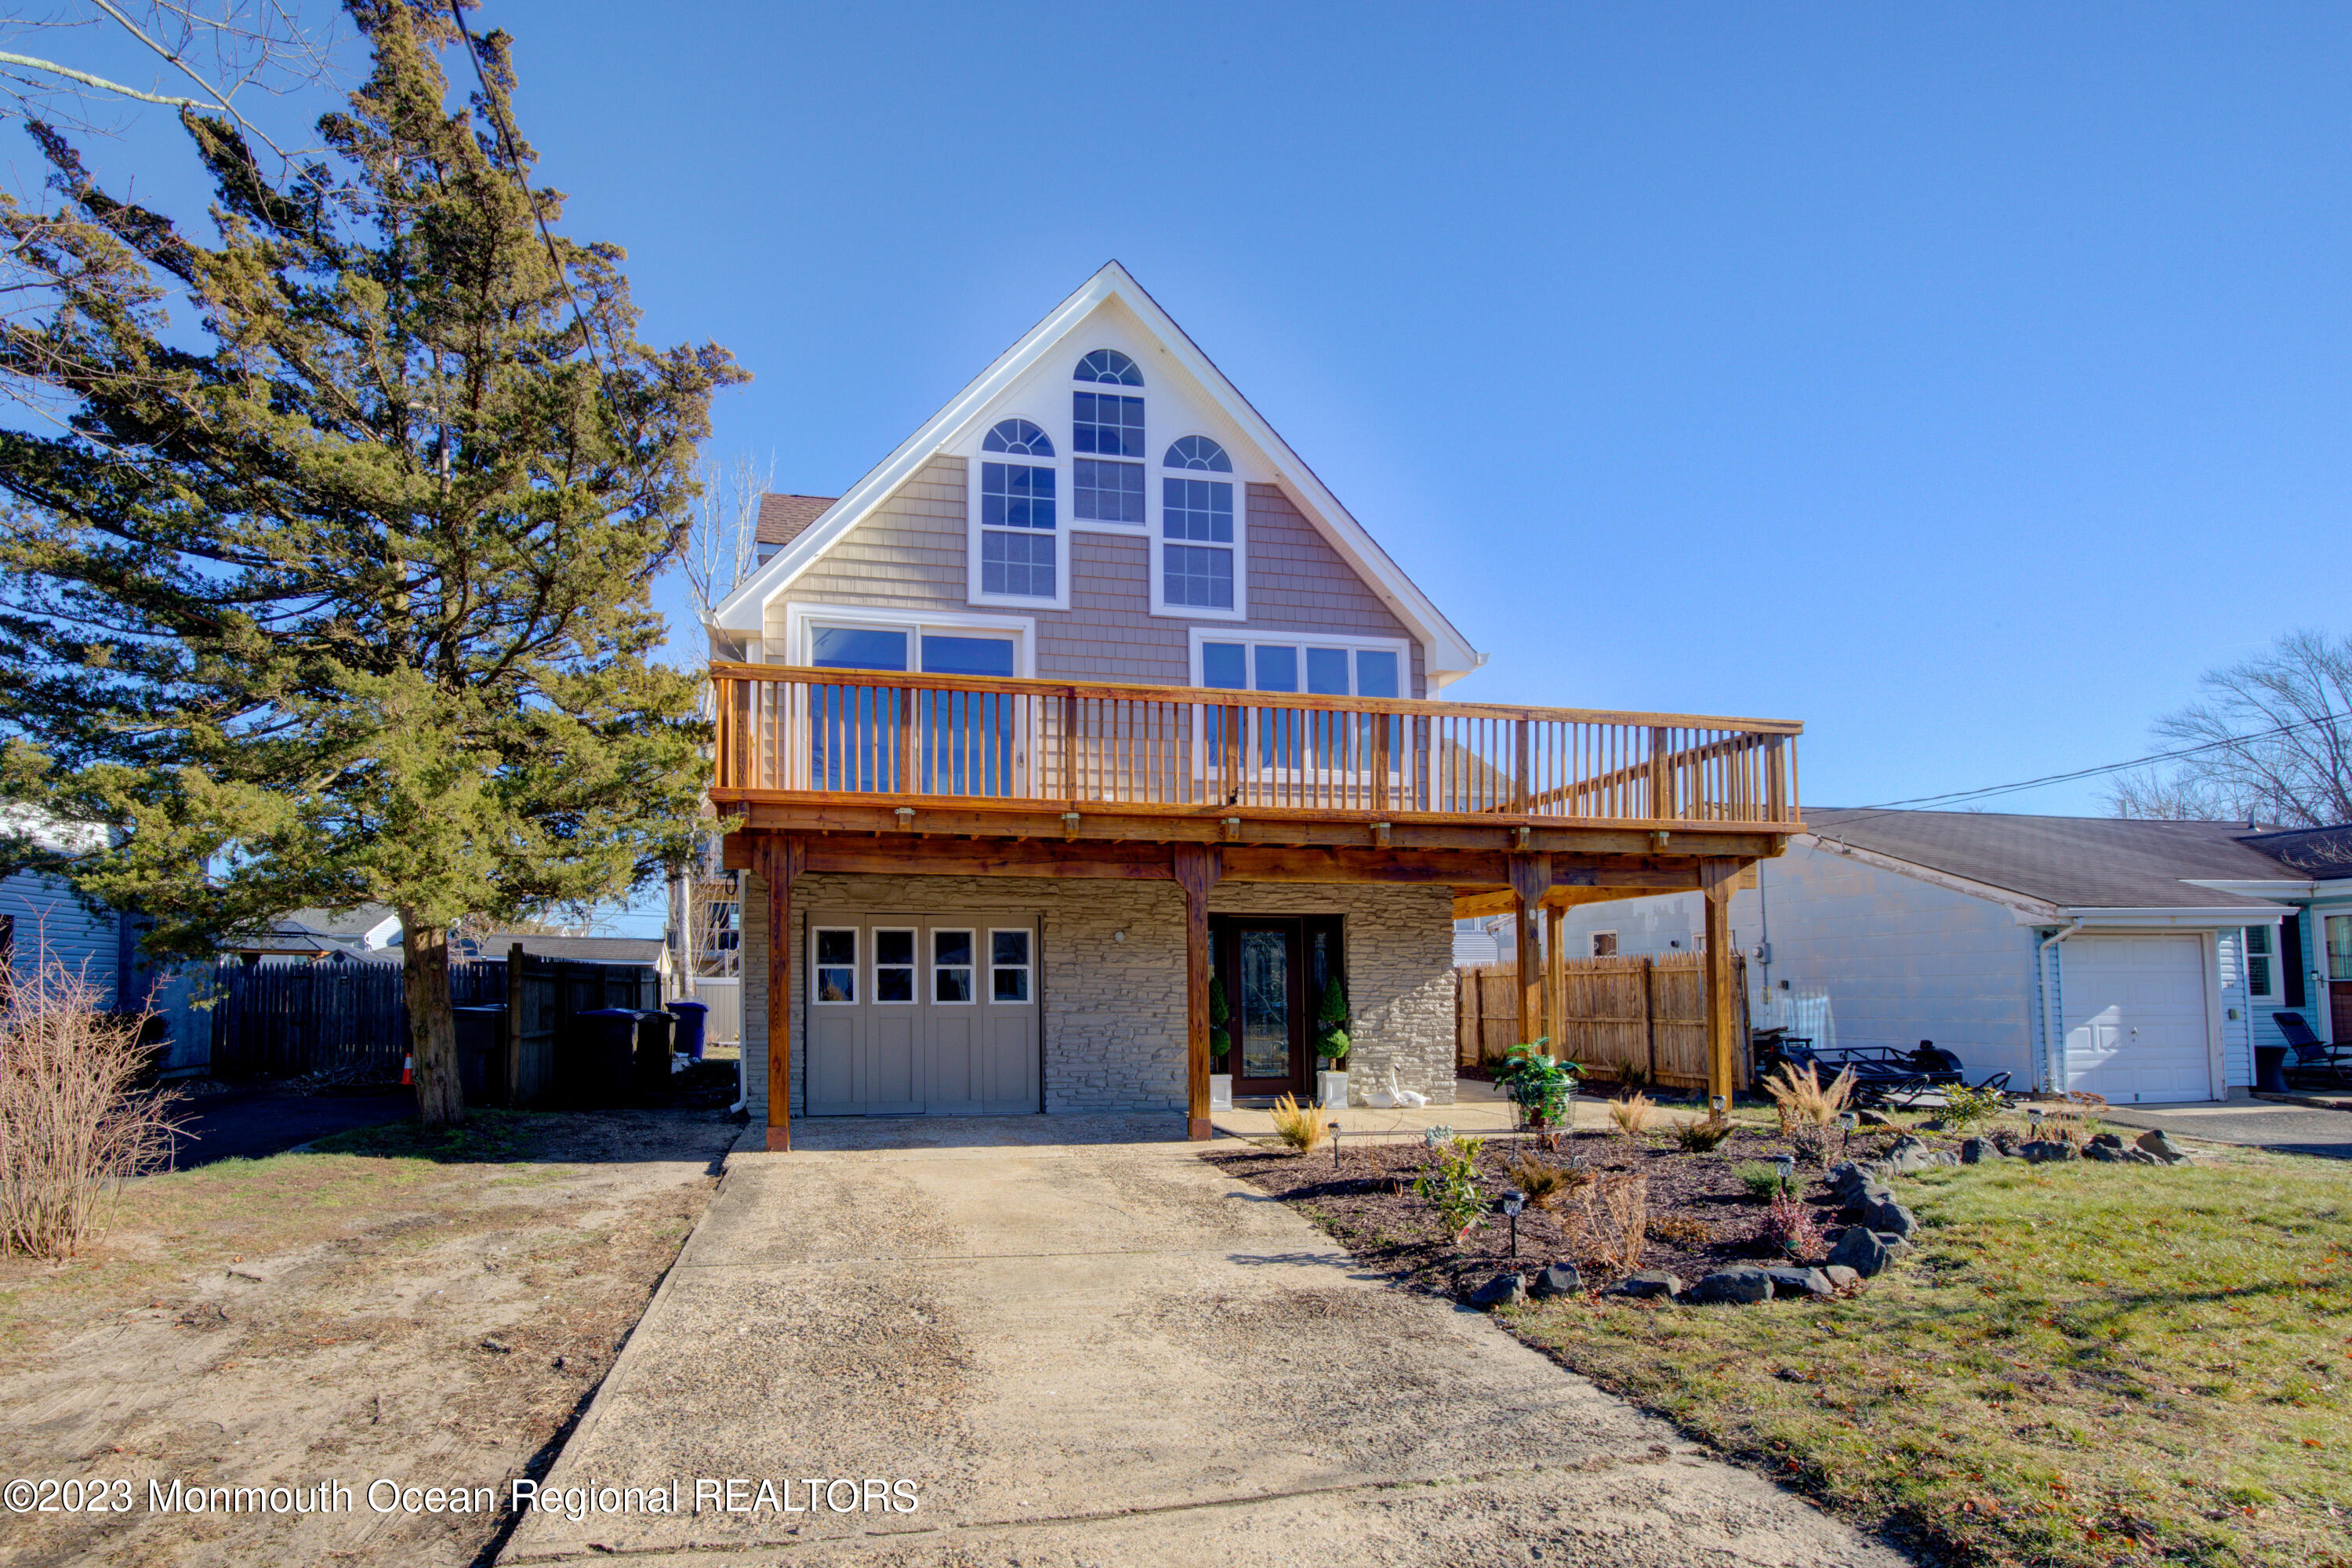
1648, 1284
1863, 1199
1839, 1276
1793, 1280
2102, 1152
1890, 1218
2106, 1140
1741, 1286
2159, 1142
1910, 1155
1867, 1118
1862, 1250
2138, 1157
1560, 1280
1977, 1151
2046, 1151
1502, 1291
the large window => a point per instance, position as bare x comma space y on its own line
1196, 514
1321, 669
1106, 427
967, 743
1017, 556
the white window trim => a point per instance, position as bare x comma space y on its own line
1070, 476
801, 619
1401, 647
1154, 511
2275, 996
914, 967
931, 966
1028, 970
1060, 464
816, 997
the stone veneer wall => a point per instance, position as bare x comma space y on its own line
1114, 1011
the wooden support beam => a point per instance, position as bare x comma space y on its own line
1195, 868
1719, 878
780, 857
1471, 906
1531, 878
1555, 981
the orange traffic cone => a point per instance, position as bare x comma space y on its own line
408, 1069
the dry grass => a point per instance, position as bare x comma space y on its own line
1800, 1096
2082, 1365
74, 1125
1622, 1228
1302, 1127
1632, 1112
1545, 1184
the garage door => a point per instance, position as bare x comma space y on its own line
911, 1015
2136, 1023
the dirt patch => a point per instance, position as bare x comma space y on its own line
429, 1310
1701, 1216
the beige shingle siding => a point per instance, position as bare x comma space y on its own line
910, 554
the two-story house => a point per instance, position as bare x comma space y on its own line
1091, 696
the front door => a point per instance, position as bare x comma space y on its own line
1265, 995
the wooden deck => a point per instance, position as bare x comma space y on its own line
1516, 809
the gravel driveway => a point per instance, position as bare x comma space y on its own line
1099, 1350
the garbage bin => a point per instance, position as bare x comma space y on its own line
2269, 1068
482, 1054
652, 1049
594, 1059
691, 1016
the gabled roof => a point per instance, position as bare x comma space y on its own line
1448, 652
352, 923
2322, 854
2073, 862
784, 518
644, 950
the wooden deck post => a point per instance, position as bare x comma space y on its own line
1530, 878
1196, 869
1718, 877
1555, 981
780, 857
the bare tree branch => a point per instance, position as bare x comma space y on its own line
2274, 736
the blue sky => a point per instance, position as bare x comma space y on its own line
1962, 380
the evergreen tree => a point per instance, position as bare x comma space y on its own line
339, 593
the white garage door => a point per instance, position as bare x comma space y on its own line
2136, 1023
922, 1015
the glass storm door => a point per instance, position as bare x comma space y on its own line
1267, 1001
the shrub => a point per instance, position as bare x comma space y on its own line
1220, 1039
1762, 1181
1632, 1112
1451, 1187
73, 1122
1704, 1137
1682, 1230
1543, 1183
1966, 1110
1627, 1200
1304, 1128
1790, 1227
1331, 1023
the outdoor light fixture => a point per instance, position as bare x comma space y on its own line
1847, 1122
1118, 936
1513, 1201
1787, 1165
1718, 1103
1335, 1146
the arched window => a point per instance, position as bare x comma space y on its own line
1109, 365
1199, 452
1016, 514
1196, 515
1019, 437
1106, 426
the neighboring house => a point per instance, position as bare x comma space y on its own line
645, 951
2313, 974
2139, 960
1091, 696
307, 936
41, 919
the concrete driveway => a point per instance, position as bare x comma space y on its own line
1081, 1345
2258, 1123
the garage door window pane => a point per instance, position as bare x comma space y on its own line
836, 966
1009, 965
952, 966
894, 966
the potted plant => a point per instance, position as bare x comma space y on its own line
1539, 1087
1332, 1044
1220, 1044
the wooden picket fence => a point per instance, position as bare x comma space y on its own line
1627, 1016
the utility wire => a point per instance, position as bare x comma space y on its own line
1988, 791
508, 140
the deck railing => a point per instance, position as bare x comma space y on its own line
978, 739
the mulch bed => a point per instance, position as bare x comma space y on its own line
1701, 1218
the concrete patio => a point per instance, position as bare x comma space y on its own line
1081, 1343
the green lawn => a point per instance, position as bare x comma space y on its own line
2081, 1364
